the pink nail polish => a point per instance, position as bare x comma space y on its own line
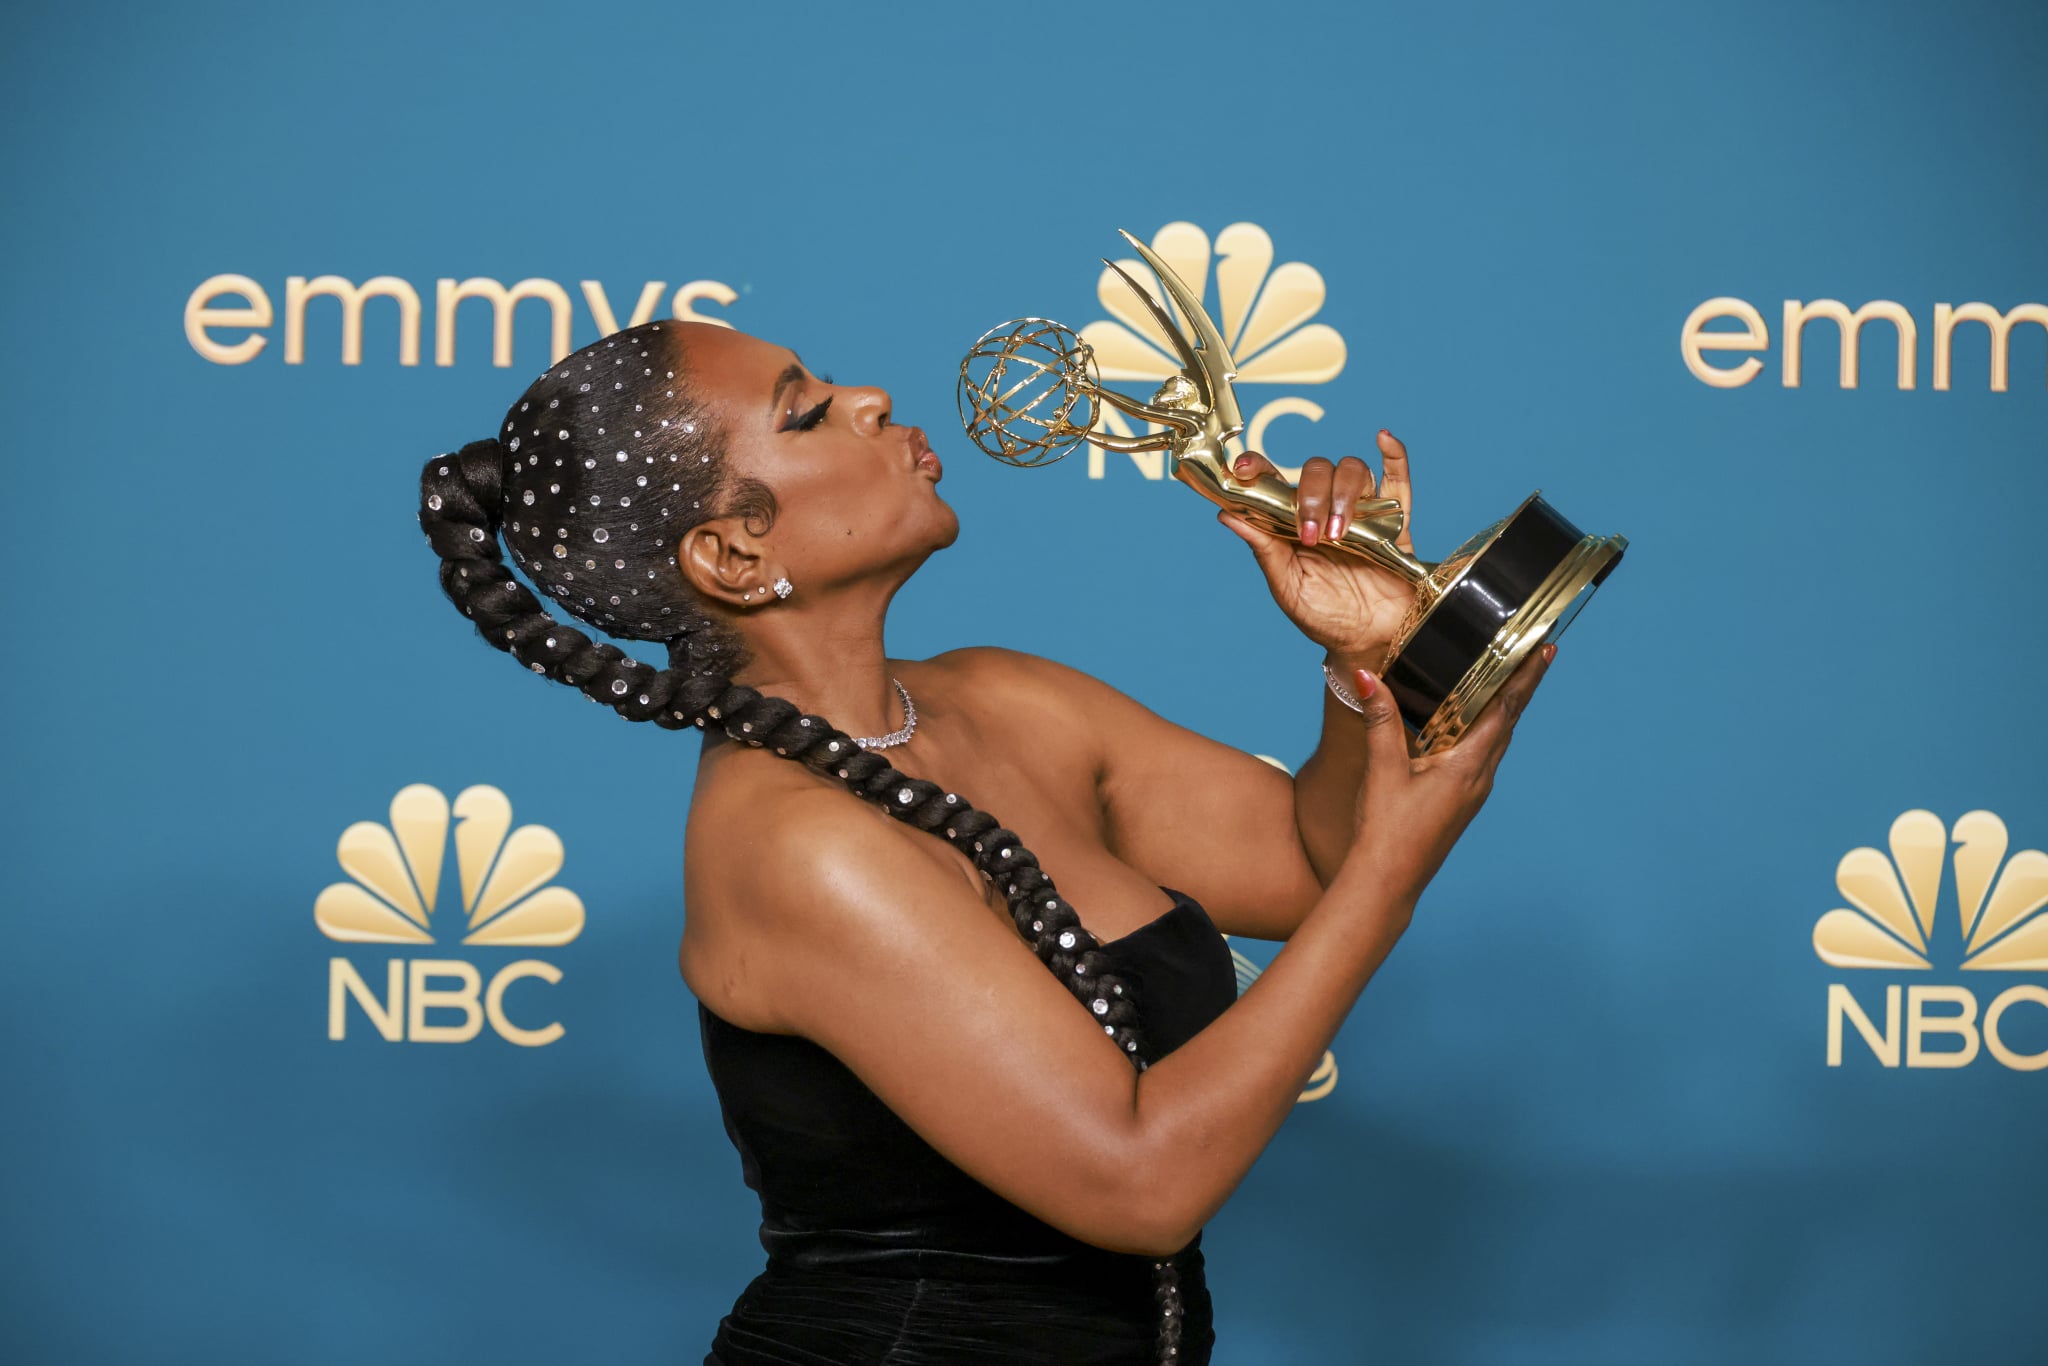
1366, 683
1308, 533
1337, 527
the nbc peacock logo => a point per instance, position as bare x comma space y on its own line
508, 901
1895, 926
1263, 311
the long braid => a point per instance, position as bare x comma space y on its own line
463, 496
460, 495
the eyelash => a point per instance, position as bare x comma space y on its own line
811, 418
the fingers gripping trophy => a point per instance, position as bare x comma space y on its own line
1030, 392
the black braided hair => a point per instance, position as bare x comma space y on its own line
612, 425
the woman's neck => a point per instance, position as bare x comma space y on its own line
834, 668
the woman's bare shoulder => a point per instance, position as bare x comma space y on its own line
1001, 679
900, 969
748, 810
1047, 696
1000, 664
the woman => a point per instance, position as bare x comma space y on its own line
956, 1163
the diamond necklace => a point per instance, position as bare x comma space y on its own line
894, 737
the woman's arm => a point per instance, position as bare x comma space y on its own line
1254, 846
1183, 809
1351, 606
1326, 784
878, 951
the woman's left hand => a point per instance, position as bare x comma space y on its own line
1343, 602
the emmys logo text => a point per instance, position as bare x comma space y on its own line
1263, 311
395, 881
205, 313
1752, 334
1894, 928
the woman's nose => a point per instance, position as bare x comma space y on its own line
871, 407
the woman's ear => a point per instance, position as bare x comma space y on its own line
717, 559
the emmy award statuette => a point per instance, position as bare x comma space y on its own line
1030, 393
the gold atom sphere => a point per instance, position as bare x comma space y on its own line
1027, 391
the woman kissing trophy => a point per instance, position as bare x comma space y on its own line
1030, 392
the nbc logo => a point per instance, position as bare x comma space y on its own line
396, 881
1894, 927
1262, 310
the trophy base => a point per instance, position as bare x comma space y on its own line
1516, 585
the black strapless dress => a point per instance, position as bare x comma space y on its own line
883, 1253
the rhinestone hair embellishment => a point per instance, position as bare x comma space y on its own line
894, 737
534, 484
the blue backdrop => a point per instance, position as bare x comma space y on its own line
1586, 1114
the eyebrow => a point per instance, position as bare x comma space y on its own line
793, 373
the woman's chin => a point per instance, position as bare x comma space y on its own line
949, 526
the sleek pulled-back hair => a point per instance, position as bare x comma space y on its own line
597, 471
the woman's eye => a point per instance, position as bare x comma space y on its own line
811, 418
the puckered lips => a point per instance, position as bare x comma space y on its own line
923, 457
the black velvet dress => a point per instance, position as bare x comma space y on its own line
883, 1253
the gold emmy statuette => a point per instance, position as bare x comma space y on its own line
1030, 392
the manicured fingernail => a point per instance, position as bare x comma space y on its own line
1549, 653
1337, 526
1243, 464
1366, 683
1308, 533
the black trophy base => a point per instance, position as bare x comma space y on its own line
1509, 589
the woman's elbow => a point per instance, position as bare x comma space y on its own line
1144, 1209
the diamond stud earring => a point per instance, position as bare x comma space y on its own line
783, 588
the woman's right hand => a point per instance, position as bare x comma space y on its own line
1411, 810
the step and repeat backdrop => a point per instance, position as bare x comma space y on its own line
1721, 1038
